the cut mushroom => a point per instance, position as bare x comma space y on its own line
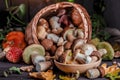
53, 37
43, 66
54, 22
43, 23
59, 52
79, 33
77, 44
41, 32
69, 34
80, 58
88, 49
66, 57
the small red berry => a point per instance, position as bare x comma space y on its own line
14, 54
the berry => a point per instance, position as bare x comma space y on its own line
14, 54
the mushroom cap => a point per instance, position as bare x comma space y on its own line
78, 43
68, 32
31, 49
66, 57
88, 49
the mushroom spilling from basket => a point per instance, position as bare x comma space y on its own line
61, 32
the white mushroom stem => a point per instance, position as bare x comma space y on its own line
36, 58
54, 22
43, 66
79, 57
88, 59
78, 43
102, 52
53, 37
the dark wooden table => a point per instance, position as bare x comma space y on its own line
4, 65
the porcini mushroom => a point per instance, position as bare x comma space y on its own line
59, 52
79, 33
79, 57
41, 32
43, 66
88, 49
54, 22
47, 44
66, 57
36, 58
77, 44
53, 37
32, 49
68, 34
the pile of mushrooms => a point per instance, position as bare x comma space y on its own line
62, 37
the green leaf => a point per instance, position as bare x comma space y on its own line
70, 0
22, 11
15, 69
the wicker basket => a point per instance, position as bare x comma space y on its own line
31, 35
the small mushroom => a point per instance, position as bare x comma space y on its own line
64, 20
77, 44
117, 54
68, 34
66, 57
94, 59
60, 41
88, 49
76, 17
57, 31
79, 57
47, 44
53, 37
43, 23
61, 12
43, 66
41, 32
79, 33
54, 22
68, 45
59, 52
96, 53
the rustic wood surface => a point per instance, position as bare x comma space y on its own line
4, 65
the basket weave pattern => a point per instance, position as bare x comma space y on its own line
31, 34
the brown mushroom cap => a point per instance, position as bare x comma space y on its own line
47, 44
66, 57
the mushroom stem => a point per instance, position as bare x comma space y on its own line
43, 66
36, 58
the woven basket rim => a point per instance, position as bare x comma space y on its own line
54, 7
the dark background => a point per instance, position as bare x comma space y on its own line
111, 14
